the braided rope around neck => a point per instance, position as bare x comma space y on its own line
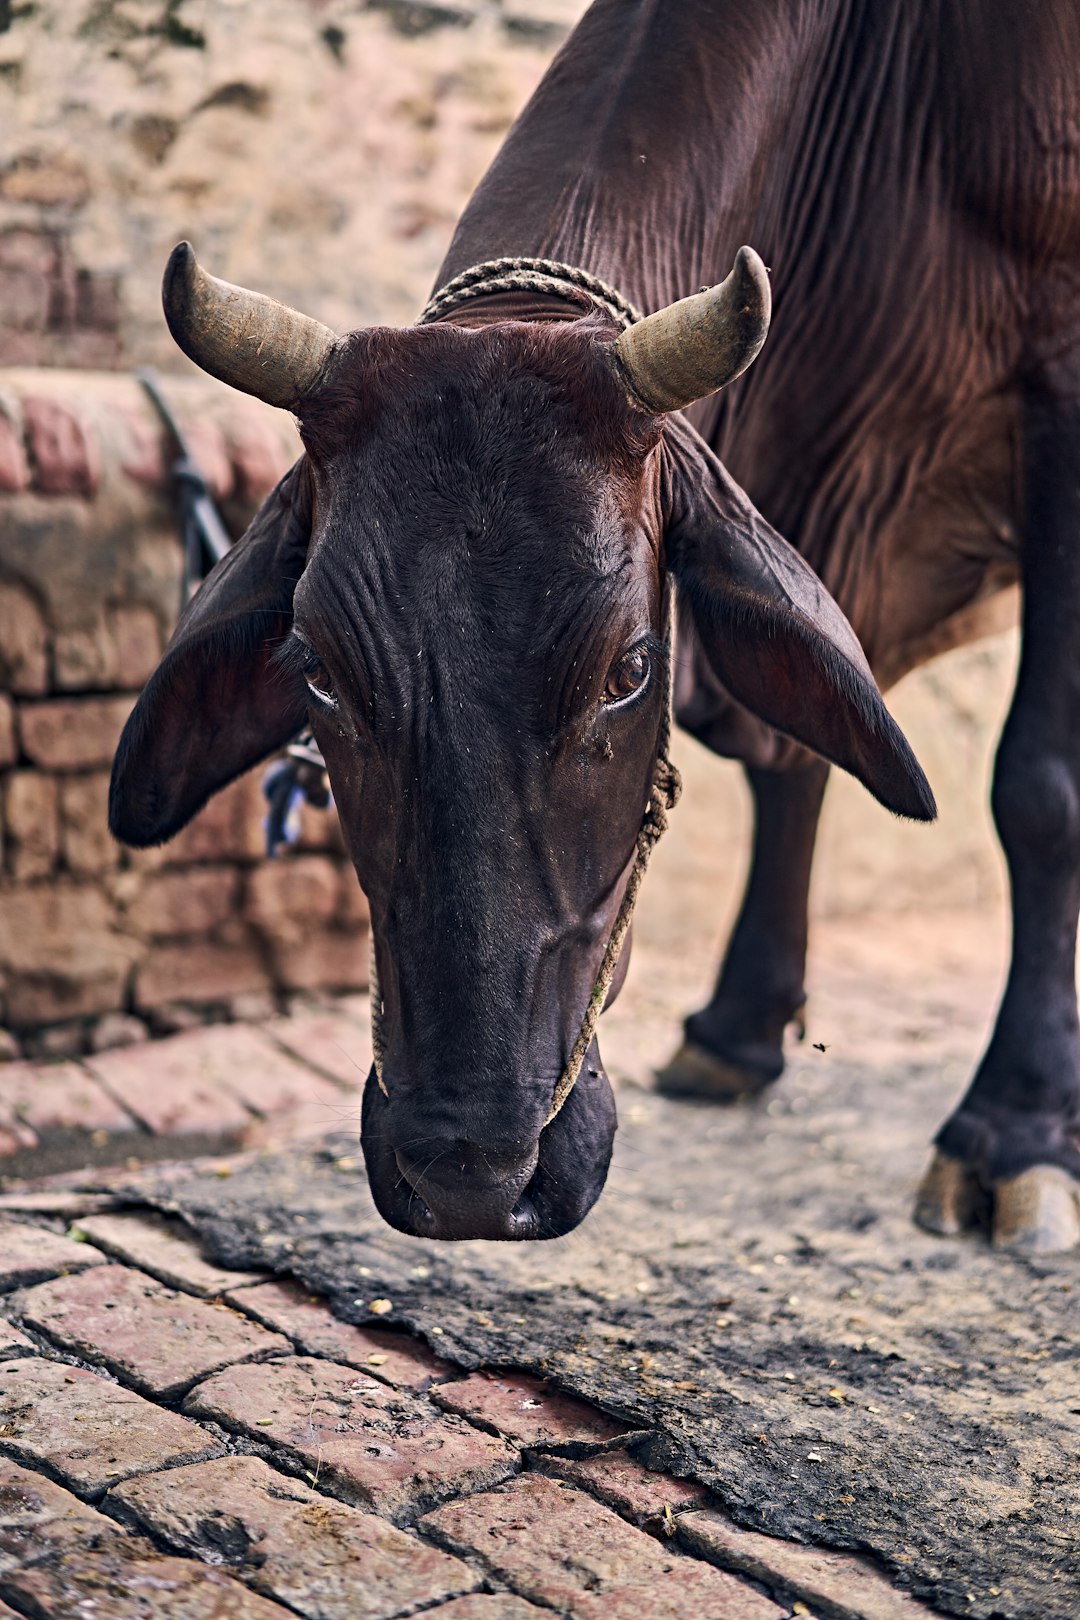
548, 276
528, 275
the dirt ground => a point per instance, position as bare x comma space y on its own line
750, 1289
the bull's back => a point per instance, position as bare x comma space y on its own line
922, 219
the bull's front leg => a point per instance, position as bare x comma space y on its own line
735, 1045
1013, 1144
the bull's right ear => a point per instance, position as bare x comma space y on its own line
218, 703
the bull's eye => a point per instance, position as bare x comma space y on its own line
627, 677
319, 683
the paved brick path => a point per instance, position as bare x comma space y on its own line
184, 1441
210, 1090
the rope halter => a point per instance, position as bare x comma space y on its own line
548, 276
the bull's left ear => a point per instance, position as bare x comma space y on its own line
217, 703
773, 634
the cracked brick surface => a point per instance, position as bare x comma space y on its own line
553, 1544
39, 1520
13, 1343
528, 1410
392, 1358
840, 1585
87, 1430
379, 1448
151, 1336
118, 1586
163, 1246
639, 1494
323, 1558
487, 1606
29, 1254
60, 1097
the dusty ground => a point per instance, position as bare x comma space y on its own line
750, 1288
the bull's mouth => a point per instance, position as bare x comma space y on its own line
544, 1193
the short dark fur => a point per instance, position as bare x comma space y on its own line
490, 524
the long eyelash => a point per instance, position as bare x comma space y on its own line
292, 657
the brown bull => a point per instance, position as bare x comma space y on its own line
462, 583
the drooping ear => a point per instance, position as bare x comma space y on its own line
217, 704
773, 634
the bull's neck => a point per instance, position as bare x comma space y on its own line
637, 155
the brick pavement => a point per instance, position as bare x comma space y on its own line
213, 1089
235, 1452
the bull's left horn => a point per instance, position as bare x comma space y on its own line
692, 348
251, 341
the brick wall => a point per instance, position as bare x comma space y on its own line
320, 150
90, 566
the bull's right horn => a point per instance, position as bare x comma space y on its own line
690, 349
251, 341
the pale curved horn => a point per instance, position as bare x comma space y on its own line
692, 348
251, 341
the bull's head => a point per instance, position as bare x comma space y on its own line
460, 588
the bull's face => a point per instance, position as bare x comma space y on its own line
460, 588
477, 629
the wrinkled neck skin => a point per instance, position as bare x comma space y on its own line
602, 170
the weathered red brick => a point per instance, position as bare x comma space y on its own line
392, 1358
127, 1586
73, 734
60, 1097
229, 827
31, 824
527, 1410
85, 839
163, 1246
838, 1583
62, 954
328, 960
266, 1079
553, 1543
179, 1087
83, 659
40, 1520
181, 904
13, 1343
136, 636
63, 451
289, 898
199, 972
638, 1493
89, 1431
689, 1588
375, 1447
329, 1042
14, 467
322, 1558
9, 748
29, 1254
24, 643
152, 1337
492, 1606
15, 1137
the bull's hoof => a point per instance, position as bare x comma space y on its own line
1037, 1212
694, 1072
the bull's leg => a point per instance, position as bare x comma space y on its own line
1015, 1137
735, 1045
